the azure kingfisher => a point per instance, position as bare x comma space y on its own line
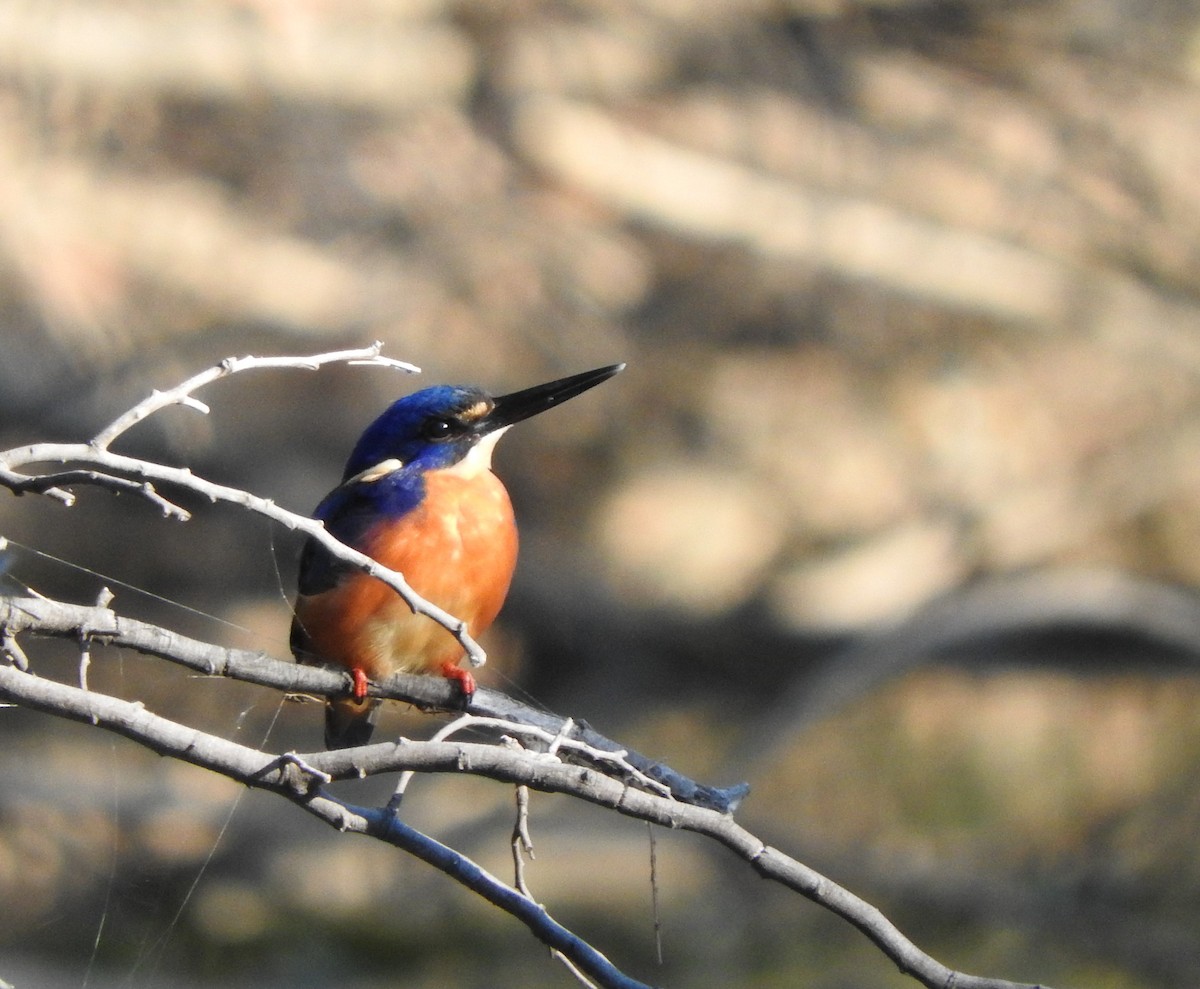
418, 495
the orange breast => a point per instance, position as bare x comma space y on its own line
458, 550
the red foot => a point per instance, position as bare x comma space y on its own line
462, 677
359, 690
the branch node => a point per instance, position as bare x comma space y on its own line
12, 651
561, 737
298, 776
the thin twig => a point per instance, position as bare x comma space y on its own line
571, 967
560, 741
440, 735
522, 842
654, 905
522, 848
12, 650
182, 394
85, 661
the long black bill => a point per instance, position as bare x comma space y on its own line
529, 402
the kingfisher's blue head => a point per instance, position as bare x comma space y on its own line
445, 425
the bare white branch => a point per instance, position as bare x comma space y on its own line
44, 617
616, 760
300, 779
522, 841
125, 474
12, 651
182, 394
443, 733
85, 662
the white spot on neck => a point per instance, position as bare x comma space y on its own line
479, 457
380, 470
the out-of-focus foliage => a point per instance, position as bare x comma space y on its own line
908, 296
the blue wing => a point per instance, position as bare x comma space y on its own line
349, 512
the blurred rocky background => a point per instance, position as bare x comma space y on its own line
894, 514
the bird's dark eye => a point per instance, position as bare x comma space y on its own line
438, 429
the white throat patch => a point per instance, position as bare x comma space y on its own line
479, 457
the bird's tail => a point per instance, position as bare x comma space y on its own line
349, 722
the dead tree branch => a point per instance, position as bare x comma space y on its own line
301, 778
489, 708
130, 475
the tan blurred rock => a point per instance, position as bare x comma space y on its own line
874, 581
696, 539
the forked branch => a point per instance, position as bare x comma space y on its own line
124, 474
